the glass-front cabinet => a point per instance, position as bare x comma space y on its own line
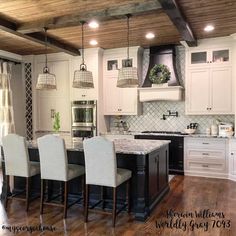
212, 56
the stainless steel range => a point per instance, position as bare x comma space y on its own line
83, 119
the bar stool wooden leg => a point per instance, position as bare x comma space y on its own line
7, 184
86, 203
114, 208
62, 192
27, 193
102, 197
42, 197
65, 199
128, 195
83, 188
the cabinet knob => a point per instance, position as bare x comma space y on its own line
232, 153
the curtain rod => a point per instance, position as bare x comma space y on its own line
7, 60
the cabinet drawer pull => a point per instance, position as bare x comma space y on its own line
205, 154
83, 95
205, 143
205, 165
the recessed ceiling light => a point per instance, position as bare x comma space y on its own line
150, 35
93, 24
93, 42
209, 28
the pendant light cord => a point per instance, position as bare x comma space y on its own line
82, 22
128, 16
46, 41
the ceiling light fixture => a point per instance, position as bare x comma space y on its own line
46, 80
82, 77
93, 42
93, 24
209, 28
150, 35
128, 75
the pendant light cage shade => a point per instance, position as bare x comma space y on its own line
128, 75
82, 78
46, 80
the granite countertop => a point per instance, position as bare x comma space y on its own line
184, 135
122, 146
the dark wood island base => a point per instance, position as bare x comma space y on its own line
149, 183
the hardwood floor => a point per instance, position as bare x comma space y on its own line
187, 195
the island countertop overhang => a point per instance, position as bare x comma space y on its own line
122, 146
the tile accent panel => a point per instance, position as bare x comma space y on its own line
153, 111
28, 92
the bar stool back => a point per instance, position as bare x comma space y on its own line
101, 169
54, 166
17, 161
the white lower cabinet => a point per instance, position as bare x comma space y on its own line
205, 157
232, 159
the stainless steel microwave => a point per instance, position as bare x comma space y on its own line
84, 113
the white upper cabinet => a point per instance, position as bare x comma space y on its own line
51, 101
219, 56
209, 81
119, 101
209, 91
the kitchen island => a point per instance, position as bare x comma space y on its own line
147, 159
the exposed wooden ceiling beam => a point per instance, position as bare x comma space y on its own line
172, 10
38, 37
102, 15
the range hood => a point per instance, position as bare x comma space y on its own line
173, 92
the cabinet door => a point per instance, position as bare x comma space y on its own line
128, 99
111, 96
198, 90
55, 100
232, 162
153, 176
198, 58
163, 169
221, 90
46, 109
220, 56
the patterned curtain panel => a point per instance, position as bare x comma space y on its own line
6, 110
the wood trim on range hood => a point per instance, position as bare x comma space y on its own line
170, 93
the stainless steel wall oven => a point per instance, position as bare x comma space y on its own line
83, 119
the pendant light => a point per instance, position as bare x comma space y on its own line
46, 80
82, 77
128, 75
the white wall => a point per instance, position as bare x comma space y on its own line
18, 94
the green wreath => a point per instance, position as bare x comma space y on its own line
159, 74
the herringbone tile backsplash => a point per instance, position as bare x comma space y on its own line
153, 111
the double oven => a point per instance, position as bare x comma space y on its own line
83, 119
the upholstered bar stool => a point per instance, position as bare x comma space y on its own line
54, 166
101, 169
17, 162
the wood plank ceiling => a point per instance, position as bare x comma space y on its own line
112, 32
